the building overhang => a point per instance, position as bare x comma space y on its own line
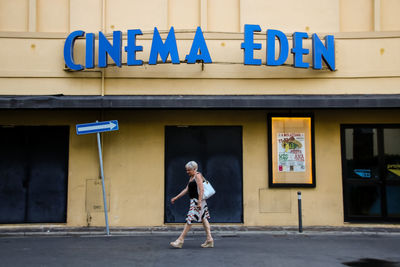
200, 101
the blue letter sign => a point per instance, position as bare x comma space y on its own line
164, 49
321, 52
69, 50
199, 45
275, 41
113, 50
249, 46
89, 51
283, 44
298, 50
132, 48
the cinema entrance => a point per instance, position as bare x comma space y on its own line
371, 172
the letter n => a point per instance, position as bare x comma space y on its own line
113, 50
321, 52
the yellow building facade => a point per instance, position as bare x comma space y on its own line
353, 107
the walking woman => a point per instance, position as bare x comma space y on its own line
198, 211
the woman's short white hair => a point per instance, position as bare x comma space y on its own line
192, 165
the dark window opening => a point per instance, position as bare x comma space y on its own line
218, 151
33, 174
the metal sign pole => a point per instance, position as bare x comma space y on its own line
97, 127
102, 182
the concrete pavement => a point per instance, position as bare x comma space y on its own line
231, 249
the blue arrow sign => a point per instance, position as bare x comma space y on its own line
96, 127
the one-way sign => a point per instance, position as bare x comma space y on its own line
97, 127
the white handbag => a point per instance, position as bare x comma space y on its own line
209, 191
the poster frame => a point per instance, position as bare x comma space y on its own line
271, 183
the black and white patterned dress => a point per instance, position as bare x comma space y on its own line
194, 214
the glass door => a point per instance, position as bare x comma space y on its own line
371, 172
391, 150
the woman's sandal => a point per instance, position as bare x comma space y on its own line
177, 243
208, 244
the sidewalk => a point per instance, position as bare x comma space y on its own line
47, 230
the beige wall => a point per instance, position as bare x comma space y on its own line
390, 19
86, 15
292, 15
134, 164
52, 15
357, 15
215, 15
32, 64
14, 15
364, 62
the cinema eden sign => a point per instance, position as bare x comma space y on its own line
199, 51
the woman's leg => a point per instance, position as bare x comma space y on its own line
207, 228
179, 242
185, 231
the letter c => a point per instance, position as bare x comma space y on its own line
69, 50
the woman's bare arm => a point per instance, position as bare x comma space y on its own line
199, 182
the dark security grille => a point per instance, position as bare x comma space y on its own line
371, 172
33, 174
218, 151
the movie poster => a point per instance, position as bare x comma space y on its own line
291, 152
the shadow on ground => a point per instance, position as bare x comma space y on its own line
367, 262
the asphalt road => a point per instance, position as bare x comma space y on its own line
234, 250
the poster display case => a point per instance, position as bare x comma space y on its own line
291, 150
